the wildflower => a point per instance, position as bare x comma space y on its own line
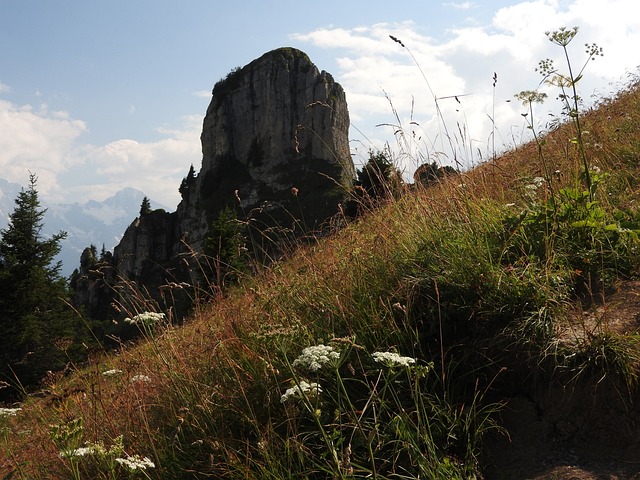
303, 389
563, 36
140, 378
527, 97
392, 359
98, 449
9, 412
315, 357
146, 318
111, 373
78, 452
135, 462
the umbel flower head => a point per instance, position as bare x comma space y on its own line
392, 359
303, 389
9, 412
135, 462
146, 318
315, 357
140, 378
79, 452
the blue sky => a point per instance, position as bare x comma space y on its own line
97, 96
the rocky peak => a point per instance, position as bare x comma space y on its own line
275, 125
275, 149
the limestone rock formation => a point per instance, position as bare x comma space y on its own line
274, 141
275, 149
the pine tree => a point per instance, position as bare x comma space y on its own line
225, 249
187, 183
379, 177
31, 293
145, 206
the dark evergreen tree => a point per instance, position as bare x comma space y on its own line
145, 206
35, 334
187, 183
225, 249
105, 255
379, 177
430, 173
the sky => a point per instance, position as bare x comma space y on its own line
96, 96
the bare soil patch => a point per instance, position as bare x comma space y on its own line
586, 430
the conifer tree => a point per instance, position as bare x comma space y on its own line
32, 291
225, 249
187, 183
379, 177
145, 206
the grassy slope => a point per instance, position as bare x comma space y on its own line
434, 276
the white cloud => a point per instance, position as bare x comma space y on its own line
156, 167
48, 144
202, 94
460, 6
463, 63
4, 88
39, 141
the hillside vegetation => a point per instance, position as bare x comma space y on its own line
398, 347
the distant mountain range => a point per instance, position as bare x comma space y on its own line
90, 223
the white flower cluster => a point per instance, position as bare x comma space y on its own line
535, 183
146, 318
95, 449
314, 358
140, 378
112, 373
304, 388
80, 452
135, 462
392, 359
9, 412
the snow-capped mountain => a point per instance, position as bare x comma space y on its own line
89, 223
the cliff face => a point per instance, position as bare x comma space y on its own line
148, 241
276, 125
275, 149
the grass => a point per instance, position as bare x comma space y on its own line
432, 309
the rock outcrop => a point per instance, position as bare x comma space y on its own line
275, 149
